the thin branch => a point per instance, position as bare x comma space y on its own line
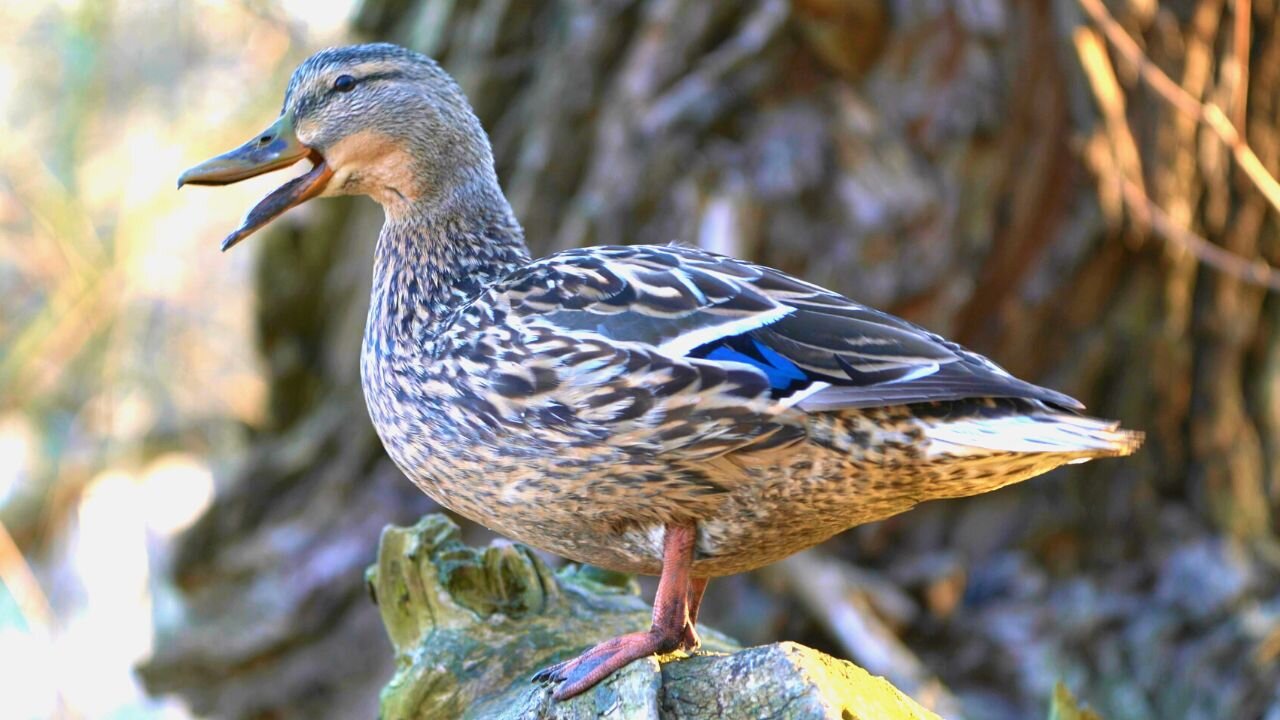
1111, 101
1255, 272
1206, 112
1242, 13
16, 575
1140, 205
1145, 212
839, 605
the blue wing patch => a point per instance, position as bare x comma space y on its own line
784, 375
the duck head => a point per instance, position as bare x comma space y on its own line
377, 120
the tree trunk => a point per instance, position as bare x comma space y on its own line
955, 164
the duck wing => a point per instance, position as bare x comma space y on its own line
818, 350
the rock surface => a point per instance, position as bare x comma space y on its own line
470, 627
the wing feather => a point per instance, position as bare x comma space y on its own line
818, 349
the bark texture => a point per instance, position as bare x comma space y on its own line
953, 163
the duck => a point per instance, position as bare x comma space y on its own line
659, 410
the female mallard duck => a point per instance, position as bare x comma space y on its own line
658, 410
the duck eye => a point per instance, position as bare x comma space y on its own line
344, 83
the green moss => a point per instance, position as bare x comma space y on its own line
1064, 706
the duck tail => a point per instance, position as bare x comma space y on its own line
1054, 432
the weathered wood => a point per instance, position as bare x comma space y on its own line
471, 626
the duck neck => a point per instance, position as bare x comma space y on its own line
433, 256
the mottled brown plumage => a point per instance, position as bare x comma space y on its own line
646, 409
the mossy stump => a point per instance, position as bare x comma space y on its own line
470, 627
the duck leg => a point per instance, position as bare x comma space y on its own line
671, 629
697, 586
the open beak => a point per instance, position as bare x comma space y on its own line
276, 147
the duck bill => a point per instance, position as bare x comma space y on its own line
274, 148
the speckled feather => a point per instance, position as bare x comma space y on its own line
571, 403
582, 402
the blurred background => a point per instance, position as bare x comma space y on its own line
189, 485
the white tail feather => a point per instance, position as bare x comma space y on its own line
1047, 433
